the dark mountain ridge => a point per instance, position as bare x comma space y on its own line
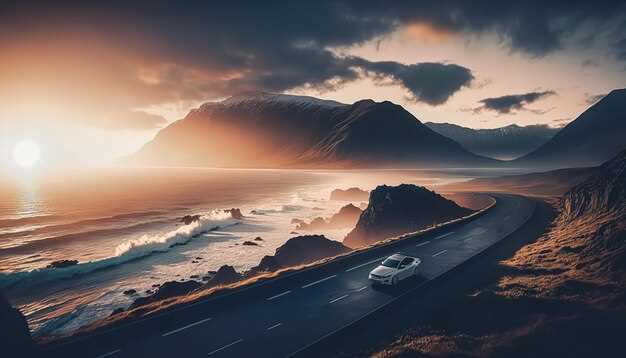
270, 130
596, 136
507, 142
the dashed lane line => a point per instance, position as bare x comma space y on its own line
278, 295
185, 327
440, 253
319, 281
226, 346
338, 298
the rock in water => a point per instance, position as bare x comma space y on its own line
345, 218
235, 213
188, 219
62, 264
399, 210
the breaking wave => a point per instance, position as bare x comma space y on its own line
127, 251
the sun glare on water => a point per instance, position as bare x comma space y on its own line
26, 153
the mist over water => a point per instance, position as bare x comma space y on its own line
123, 226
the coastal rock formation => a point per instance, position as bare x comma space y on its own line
167, 290
14, 332
62, 263
345, 218
300, 250
351, 194
224, 275
235, 213
401, 209
188, 219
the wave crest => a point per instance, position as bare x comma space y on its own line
127, 251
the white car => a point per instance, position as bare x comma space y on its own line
394, 269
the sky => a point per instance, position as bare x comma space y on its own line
92, 81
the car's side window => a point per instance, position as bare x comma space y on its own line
407, 261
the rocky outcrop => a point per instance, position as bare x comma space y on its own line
300, 250
351, 194
188, 219
401, 209
62, 263
345, 218
603, 192
235, 213
224, 276
167, 290
15, 337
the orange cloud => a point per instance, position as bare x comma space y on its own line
422, 31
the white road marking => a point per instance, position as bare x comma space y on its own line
361, 289
365, 264
423, 243
278, 295
338, 298
226, 346
440, 253
110, 353
318, 281
468, 239
274, 326
185, 327
444, 235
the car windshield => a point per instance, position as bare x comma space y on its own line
391, 263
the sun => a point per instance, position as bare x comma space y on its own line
26, 153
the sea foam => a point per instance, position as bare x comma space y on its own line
130, 250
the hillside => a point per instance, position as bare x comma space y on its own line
398, 210
594, 137
502, 143
561, 295
275, 130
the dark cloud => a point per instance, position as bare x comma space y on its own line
427, 82
196, 50
513, 102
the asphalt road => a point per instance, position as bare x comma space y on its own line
285, 317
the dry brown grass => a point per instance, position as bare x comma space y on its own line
563, 295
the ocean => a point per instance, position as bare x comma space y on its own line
124, 228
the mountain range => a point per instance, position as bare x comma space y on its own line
594, 137
266, 130
276, 130
504, 143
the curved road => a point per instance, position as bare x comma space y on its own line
287, 316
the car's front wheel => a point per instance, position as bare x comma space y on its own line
394, 280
